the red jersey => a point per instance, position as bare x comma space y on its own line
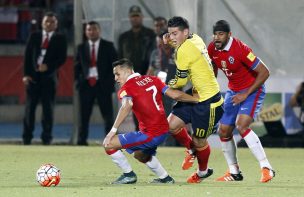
237, 61
146, 94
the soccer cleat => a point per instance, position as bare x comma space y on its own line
194, 178
126, 178
188, 161
231, 177
267, 175
167, 180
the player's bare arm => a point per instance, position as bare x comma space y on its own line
180, 96
123, 112
262, 75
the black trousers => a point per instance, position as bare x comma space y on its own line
44, 91
87, 98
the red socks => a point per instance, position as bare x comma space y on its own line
183, 138
203, 157
110, 151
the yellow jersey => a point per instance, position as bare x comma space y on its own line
193, 63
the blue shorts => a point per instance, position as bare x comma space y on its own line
251, 106
137, 140
203, 115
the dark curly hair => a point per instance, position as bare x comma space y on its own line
178, 21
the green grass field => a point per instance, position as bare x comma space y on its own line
88, 171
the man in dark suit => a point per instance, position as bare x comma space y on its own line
94, 78
45, 52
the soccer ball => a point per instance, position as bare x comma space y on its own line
48, 175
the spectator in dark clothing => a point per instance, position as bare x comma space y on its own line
45, 52
137, 43
162, 60
94, 79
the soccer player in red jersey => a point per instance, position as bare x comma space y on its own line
246, 74
142, 95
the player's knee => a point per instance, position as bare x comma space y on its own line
174, 131
175, 124
199, 142
225, 131
241, 128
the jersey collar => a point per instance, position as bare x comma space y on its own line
133, 75
49, 33
228, 45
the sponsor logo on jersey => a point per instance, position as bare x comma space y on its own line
224, 65
227, 72
122, 94
251, 56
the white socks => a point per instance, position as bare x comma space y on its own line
157, 168
257, 149
121, 161
202, 173
229, 150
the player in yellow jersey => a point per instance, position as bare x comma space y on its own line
194, 65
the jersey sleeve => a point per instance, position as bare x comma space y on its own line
181, 76
248, 57
122, 93
161, 86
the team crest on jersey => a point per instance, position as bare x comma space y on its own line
231, 59
251, 56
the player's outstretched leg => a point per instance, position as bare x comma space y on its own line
231, 177
254, 144
267, 175
188, 160
229, 151
196, 178
167, 179
203, 171
155, 166
183, 138
128, 176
